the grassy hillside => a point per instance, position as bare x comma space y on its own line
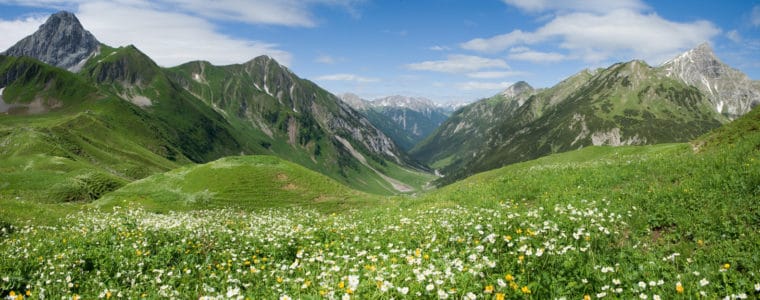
629, 222
246, 182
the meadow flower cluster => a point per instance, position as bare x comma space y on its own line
512, 250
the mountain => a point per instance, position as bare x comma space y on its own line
406, 120
729, 90
120, 117
61, 41
625, 104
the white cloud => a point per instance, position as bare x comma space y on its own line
755, 17
170, 38
502, 41
15, 30
347, 77
478, 85
458, 64
734, 36
494, 74
279, 12
596, 37
439, 48
523, 53
600, 6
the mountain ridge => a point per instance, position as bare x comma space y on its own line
628, 103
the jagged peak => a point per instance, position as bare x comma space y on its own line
60, 41
702, 52
517, 89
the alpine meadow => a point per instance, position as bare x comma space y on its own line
167, 167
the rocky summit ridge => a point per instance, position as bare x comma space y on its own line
729, 90
61, 41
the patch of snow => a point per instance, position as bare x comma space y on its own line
719, 107
197, 77
1, 93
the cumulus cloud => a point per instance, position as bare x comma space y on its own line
170, 38
458, 64
347, 77
15, 30
596, 37
478, 85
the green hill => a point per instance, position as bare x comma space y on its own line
245, 182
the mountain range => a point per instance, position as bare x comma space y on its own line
628, 103
91, 117
406, 120
105, 116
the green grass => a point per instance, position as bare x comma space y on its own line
248, 182
658, 221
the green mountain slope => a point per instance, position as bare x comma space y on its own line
297, 120
121, 117
625, 104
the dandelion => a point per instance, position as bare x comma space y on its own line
499, 296
679, 288
726, 266
586, 297
509, 277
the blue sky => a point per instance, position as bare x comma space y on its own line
445, 50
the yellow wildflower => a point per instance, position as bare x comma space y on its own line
679, 288
586, 297
499, 296
488, 289
525, 290
509, 277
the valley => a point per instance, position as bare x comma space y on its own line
121, 178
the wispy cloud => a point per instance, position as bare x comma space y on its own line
596, 37
600, 6
439, 48
478, 85
494, 74
325, 59
525, 54
281, 12
755, 16
459, 64
347, 77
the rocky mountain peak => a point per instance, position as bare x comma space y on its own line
414, 103
517, 89
729, 90
61, 41
354, 100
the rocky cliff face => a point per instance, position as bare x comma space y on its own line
61, 41
730, 91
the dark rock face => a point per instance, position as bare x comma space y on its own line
61, 41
